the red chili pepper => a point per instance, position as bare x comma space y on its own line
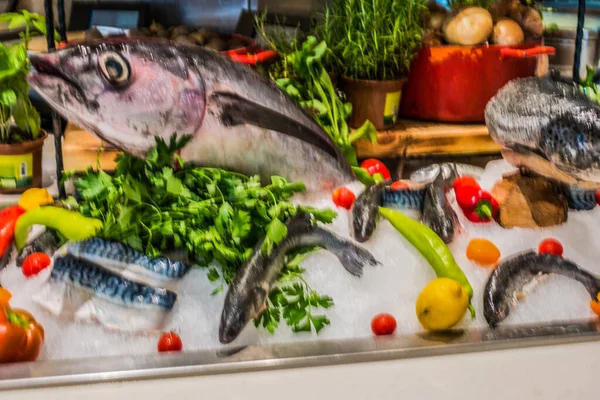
8, 220
477, 204
343, 197
376, 169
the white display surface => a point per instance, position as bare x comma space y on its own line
550, 372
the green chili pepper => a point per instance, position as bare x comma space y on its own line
431, 246
71, 224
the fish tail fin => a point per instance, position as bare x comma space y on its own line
355, 258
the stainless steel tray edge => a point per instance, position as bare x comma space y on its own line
290, 355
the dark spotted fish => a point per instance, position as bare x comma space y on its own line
126, 261
252, 284
404, 198
513, 274
88, 292
438, 214
548, 126
365, 212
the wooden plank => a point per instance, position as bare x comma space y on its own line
423, 139
80, 150
426, 138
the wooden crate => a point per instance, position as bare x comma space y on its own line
80, 147
427, 139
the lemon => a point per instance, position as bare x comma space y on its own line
35, 197
441, 304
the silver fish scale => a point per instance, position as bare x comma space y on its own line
522, 107
103, 282
124, 254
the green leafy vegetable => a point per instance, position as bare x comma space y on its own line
214, 214
15, 106
589, 87
294, 300
310, 85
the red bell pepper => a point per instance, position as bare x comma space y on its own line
477, 204
8, 220
376, 169
21, 337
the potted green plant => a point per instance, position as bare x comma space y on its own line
21, 137
373, 43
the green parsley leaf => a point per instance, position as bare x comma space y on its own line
276, 232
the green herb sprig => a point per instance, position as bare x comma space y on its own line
589, 87
373, 39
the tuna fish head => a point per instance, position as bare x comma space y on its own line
548, 126
122, 92
241, 306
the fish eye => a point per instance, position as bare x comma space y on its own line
114, 68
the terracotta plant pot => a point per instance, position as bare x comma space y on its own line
376, 101
21, 165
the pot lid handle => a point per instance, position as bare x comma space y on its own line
524, 53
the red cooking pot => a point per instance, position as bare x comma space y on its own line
454, 83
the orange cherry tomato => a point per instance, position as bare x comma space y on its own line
595, 305
343, 197
383, 324
551, 246
483, 252
399, 185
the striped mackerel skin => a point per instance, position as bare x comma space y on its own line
108, 285
97, 249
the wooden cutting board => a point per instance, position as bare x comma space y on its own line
419, 139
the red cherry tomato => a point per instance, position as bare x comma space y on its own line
169, 342
35, 263
383, 324
343, 197
598, 197
399, 185
551, 246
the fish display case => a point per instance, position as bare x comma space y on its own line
557, 312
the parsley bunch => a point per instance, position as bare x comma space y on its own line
215, 215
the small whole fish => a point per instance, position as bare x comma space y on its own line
547, 125
126, 261
89, 292
248, 292
513, 274
365, 212
47, 242
438, 214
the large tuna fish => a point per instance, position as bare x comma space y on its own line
129, 91
548, 126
